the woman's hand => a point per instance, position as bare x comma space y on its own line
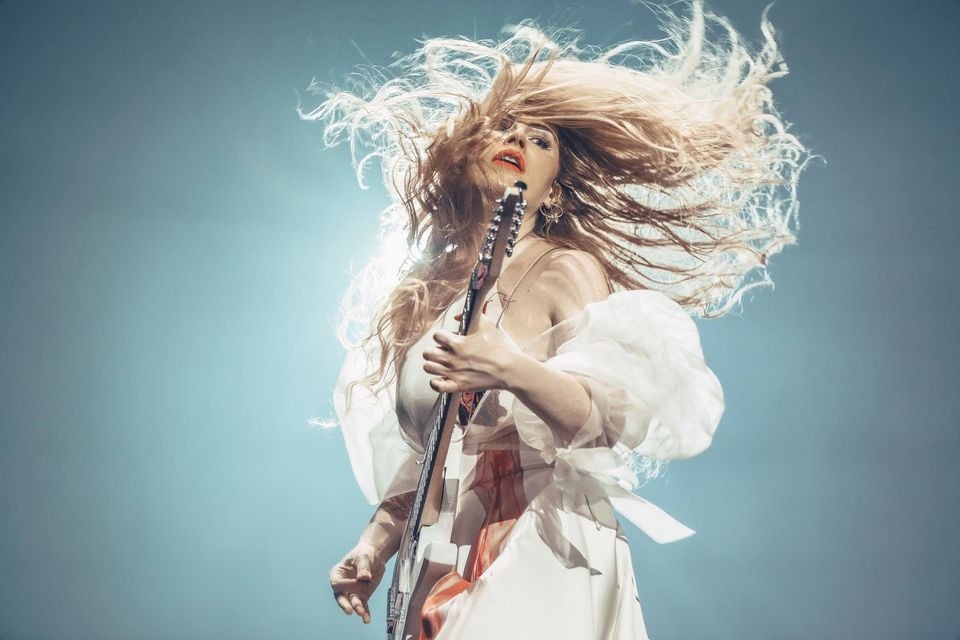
482, 360
355, 578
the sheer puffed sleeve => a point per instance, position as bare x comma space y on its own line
383, 462
651, 393
651, 390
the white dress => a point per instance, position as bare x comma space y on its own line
550, 559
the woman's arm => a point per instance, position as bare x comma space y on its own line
558, 398
485, 361
357, 575
385, 528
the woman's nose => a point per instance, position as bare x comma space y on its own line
517, 135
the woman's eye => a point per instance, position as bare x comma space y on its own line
543, 143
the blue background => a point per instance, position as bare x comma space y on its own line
174, 243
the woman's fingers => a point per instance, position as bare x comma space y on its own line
446, 339
364, 573
353, 578
344, 603
353, 604
358, 606
444, 385
436, 369
437, 355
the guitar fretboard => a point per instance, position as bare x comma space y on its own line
431, 447
498, 242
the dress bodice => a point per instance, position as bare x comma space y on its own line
651, 395
416, 400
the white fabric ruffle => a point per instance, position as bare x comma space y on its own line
384, 462
652, 394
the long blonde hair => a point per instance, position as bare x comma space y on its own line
677, 172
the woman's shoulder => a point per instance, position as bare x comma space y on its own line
571, 279
574, 263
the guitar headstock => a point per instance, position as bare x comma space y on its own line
512, 206
500, 240
503, 229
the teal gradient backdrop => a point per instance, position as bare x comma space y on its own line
174, 242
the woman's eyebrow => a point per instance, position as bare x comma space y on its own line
543, 129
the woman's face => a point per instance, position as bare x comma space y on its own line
523, 150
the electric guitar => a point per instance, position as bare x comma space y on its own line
426, 551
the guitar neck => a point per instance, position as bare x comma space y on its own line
498, 243
425, 508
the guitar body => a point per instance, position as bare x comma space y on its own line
436, 555
427, 551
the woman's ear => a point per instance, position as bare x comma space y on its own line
555, 195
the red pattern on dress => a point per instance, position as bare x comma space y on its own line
498, 483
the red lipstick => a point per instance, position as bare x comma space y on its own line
510, 158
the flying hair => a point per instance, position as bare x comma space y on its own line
677, 172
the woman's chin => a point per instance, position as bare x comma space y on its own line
490, 183
493, 180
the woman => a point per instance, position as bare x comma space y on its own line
660, 180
